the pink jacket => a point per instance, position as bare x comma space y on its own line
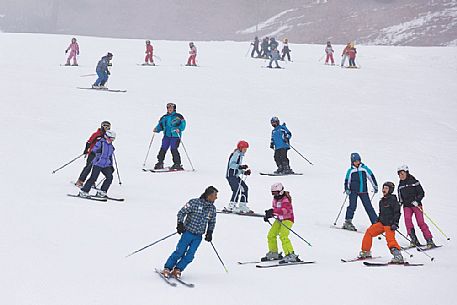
283, 209
74, 48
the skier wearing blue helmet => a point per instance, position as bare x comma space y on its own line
280, 137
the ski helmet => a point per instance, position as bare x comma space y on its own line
390, 185
172, 105
355, 157
110, 134
106, 125
242, 144
277, 187
274, 120
110, 55
403, 167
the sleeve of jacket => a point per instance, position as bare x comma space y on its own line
182, 126
160, 124
347, 180
397, 211
97, 148
93, 137
287, 132
420, 194
186, 209
212, 220
371, 176
233, 162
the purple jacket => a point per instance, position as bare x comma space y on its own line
103, 153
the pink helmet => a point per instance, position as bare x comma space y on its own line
278, 187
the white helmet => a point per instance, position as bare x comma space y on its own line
110, 134
277, 187
403, 167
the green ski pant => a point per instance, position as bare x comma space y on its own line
283, 232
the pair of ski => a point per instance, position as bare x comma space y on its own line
252, 214
173, 280
273, 174
95, 198
376, 264
166, 170
103, 89
274, 265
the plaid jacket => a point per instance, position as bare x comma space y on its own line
198, 214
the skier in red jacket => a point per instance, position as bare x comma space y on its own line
149, 54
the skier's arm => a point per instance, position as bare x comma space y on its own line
159, 126
347, 187
211, 221
420, 194
371, 177
397, 212
186, 209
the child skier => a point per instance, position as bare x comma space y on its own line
285, 50
74, 50
172, 124
88, 151
102, 163
149, 54
192, 55
196, 217
274, 57
344, 55
355, 185
410, 194
389, 216
329, 51
352, 53
280, 137
283, 213
264, 46
235, 169
102, 71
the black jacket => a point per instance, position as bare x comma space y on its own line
410, 190
389, 210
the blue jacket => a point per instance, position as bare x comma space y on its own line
102, 65
280, 137
233, 166
198, 214
168, 123
103, 153
356, 179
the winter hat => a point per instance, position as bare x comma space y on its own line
355, 157
390, 185
242, 144
274, 119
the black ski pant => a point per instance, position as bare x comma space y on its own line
255, 50
286, 53
86, 170
281, 157
96, 170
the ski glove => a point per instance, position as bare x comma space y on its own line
243, 167
66, 51
268, 214
209, 236
394, 227
416, 204
180, 228
348, 192
86, 149
247, 172
375, 189
272, 145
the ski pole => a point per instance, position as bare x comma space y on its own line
157, 241
117, 169
223, 265
147, 154
101, 181
183, 146
418, 249
239, 186
85, 75
420, 208
291, 231
344, 202
300, 154
248, 50
371, 199
160, 59
54, 171
322, 57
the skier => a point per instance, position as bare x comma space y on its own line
264, 47
102, 71
149, 54
88, 151
197, 216
329, 51
102, 163
235, 168
389, 216
274, 54
283, 213
355, 185
280, 137
193, 55
285, 50
352, 52
256, 47
344, 55
411, 193
74, 50
172, 124
273, 44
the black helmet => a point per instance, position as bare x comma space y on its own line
105, 125
390, 185
109, 55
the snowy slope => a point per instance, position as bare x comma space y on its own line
399, 108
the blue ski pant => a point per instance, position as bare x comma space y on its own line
238, 189
102, 78
185, 251
366, 204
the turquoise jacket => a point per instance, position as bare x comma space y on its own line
169, 123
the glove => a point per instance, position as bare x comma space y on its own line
348, 192
272, 145
108, 72
243, 167
375, 189
77, 53
180, 228
209, 236
394, 227
268, 214
66, 51
86, 149
247, 172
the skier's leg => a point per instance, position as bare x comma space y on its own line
234, 183
93, 177
421, 223
331, 59
352, 206
87, 168
181, 249
174, 144
284, 237
373, 231
272, 237
408, 215
244, 192
368, 207
390, 238
195, 241
108, 172
327, 58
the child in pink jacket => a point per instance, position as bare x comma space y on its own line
74, 50
283, 213
192, 55
149, 54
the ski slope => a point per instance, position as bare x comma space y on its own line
398, 108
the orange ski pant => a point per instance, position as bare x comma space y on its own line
375, 230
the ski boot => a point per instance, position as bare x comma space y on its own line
365, 254
159, 165
75, 65
242, 209
286, 169
347, 225
176, 167
290, 258
398, 258
269, 67
83, 194
414, 241
231, 207
271, 256
67, 64
94, 86
101, 194
430, 244
176, 273
79, 183
280, 170
166, 272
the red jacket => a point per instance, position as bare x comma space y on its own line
149, 49
94, 139
352, 52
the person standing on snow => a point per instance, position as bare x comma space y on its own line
352, 53
235, 169
329, 51
344, 55
411, 193
102, 71
389, 216
172, 124
197, 216
264, 46
74, 50
192, 55
355, 185
280, 137
283, 213
255, 49
90, 154
285, 50
149, 54
274, 57
102, 163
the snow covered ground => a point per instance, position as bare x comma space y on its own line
399, 108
